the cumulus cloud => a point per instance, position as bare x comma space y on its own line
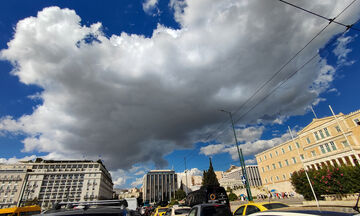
248, 148
149, 6
137, 182
15, 159
134, 99
250, 161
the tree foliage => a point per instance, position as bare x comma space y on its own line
209, 176
180, 194
327, 180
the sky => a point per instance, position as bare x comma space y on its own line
139, 84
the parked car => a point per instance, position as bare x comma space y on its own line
210, 209
251, 208
309, 211
178, 210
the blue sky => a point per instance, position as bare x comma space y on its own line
141, 90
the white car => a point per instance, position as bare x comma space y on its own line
178, 211
308, 211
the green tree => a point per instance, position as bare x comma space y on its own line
232, 196
180, 194
209, 176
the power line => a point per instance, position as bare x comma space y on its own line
323, 17
273, 76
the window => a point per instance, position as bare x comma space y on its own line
287, 162
259, 159
284, 176
263, 169
283, 151
316, 135
277, 178
333, 146
326, 132
277, 153
302, 157
297, 145
274, 167
308, 140
290, 148
240, 210
280, 165
270, 155
322, 149
250, 209
193, 212
345, 143
337, 128
268, 167
321, 134
327, 147
265, 180
313, 153
290, 174
294, 160
264, 157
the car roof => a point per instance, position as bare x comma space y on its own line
97, 210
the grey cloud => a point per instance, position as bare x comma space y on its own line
133, 99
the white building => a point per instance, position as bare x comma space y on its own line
235, 173
55, 181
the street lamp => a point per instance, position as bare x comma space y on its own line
241, 158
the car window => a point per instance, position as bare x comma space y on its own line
240, 211
181, 211
275, 205
250, 209
216, 210
192, 212
162, 210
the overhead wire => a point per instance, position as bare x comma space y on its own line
275, 74
323, 17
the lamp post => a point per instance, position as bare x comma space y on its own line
241, 158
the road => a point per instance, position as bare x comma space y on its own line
291, 202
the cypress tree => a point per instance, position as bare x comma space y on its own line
209, 177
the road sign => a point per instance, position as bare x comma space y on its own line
243, 179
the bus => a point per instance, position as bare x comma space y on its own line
19, 211
207, 194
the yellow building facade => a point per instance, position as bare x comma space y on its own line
326, 141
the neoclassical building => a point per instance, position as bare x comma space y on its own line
325, 141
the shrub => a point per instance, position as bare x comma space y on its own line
327, 180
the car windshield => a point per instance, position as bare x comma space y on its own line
216, 210
162, 210
275, 205
182, 211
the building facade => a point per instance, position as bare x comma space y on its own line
235, 173
326, 141
12, 182
159, 185
51, 181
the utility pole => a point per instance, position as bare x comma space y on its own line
186, 180
241, 158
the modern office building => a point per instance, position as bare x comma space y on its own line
326, 141
159, 185
12, 182
235, 173
51, 181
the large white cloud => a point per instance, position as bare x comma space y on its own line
133, 99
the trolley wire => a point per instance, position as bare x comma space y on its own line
274, 75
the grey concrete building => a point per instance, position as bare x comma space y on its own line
159, 185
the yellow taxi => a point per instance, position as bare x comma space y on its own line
251, 208
160, 211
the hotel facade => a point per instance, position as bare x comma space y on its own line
51, 182
324, 142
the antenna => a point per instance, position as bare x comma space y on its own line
313, 111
